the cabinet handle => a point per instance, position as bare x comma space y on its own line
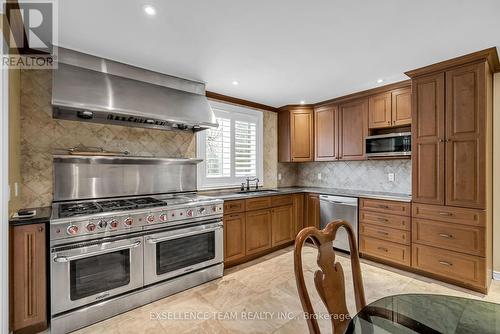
382, 206
447, 236
448, 214
441, 140
383, 219
383, 249
445, 263
382, 232
40, 229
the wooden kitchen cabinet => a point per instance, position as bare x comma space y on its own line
380, 111
401, 107
28, 285
311, 210
353, 129
326, 133
283, 225
296, 134
234, 236
258, 231
428, 139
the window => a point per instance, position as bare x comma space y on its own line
233, 151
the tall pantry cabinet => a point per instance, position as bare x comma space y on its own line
452, 169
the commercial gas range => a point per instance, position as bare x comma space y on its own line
110, 253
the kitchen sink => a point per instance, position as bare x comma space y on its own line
258, 191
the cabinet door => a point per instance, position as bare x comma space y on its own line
312, 210
380, 111
28, 277
353, 128
283, 225
298, 206
234, 236
258, 231
465, 136
428, 154
401, 107
325, 134
301, 123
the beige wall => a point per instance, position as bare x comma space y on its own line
14, 139
496, 174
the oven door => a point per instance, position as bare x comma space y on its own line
92, 271
175, 252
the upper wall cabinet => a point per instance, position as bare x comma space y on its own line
326, 133
353, 129
296, 134
390, 109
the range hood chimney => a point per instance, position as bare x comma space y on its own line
91, 89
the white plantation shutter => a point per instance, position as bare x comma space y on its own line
233, 151
218, 150
245, 148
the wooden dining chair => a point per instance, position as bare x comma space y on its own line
329, 279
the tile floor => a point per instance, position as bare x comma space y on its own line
261, 297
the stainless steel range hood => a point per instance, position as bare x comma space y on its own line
92, 89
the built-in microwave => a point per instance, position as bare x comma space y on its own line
388, 145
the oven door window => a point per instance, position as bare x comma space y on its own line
184, 252
100, 273
388, 145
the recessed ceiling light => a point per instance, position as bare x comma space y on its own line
380, 80
150, 10
302, 102
236, 83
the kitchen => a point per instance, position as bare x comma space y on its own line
171, 204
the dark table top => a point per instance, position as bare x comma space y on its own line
425, 313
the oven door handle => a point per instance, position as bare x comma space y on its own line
178, 236
63, 259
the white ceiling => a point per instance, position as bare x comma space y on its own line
281, 51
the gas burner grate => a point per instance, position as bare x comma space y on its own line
75, 209
147, 202
118, 204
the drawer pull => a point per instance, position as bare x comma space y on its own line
444, 235
383, 220
383, 249
382, 206
448, 214
382, 232
444, 263
234, 205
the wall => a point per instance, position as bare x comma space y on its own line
270, 129
496, 175
14, 138
367, 175
41, 135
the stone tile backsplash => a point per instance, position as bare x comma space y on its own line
368, 175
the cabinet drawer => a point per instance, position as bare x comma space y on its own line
452, 265
386, 220
460, 238
385, 233
257, 203
385, 250
391, 207
450, 214
234, 206
281, 200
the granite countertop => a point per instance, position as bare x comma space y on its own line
233, 194
42, 216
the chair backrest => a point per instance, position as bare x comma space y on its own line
329, 279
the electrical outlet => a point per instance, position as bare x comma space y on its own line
390, 177
319, 176
279, 176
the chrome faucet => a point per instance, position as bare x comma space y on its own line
256, 179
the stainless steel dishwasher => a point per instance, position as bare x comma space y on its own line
338, 207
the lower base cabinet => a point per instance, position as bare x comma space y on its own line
234, 236
258, 231
282, 225
28, 289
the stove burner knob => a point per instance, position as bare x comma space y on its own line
150, 219
202, 211
91, 227
103, 224
189, 213
163, 217
72, 229
114, 223
214, 209
129, 221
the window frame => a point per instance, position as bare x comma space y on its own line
234, 113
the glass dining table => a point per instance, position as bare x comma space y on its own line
426, 313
